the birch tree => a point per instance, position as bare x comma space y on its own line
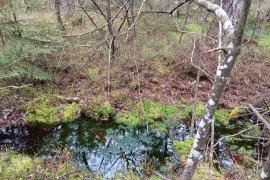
231, 48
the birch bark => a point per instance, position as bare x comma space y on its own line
231, 44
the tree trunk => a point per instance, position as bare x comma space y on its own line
231, 45
265, 174
2, 38
58, 15
110, 28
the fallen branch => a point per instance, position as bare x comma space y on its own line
16, 87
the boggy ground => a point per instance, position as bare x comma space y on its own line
154, 66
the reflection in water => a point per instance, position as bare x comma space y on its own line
107, 147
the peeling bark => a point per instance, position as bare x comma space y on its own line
232, 43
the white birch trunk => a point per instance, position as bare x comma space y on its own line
231, 44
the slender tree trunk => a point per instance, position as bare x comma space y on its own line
15, 19
265, 174
187, 6
58, 15
2, 38
258, 14
231, 44
110, 28
132, 17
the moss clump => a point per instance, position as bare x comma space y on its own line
51, 110
222, 117
70, 111
186, 109
99, 110
157, 114
160, 68
14, 165
202, 173
237, 112
183, 148
246, 157
92, 74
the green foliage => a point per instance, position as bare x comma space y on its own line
119, 96
194, 27
199, 109
51, 110
183, 148
92, 74
149, 53
160, 68
264, 41
26, 42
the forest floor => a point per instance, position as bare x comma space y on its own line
153, 66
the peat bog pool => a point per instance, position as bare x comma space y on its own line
106, 147
101, 147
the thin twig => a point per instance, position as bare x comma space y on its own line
236, 134
260, 116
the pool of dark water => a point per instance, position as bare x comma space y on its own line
107, 147
103, 148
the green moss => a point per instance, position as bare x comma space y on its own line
100, 110
119, 96
183, 148
186, 109
14, 165
129, 117
51, 110
222, 117
264, 42
236, 112
202, 173
70, 111
149, 53
194, 27
157, 114
174, 36
92, 74
247, 160
160, 68
200, 109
